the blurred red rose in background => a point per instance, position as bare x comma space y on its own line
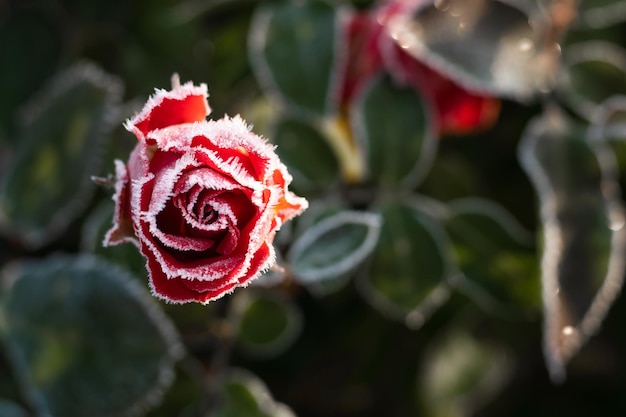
371, 50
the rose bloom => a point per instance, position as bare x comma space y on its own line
371, 50
202, 199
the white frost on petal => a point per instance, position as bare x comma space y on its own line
121, 181
160, 95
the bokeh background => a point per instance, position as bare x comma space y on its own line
347, 358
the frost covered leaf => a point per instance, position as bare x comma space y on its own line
89, 339
596, 14
268, 325
410, 269
334, 246
609, 121
461, 373
593, 72
11, 409
60, 147
95, 227
492, 250
486, 45
584, 238
292, 50
245, 395
394, 125
306, 153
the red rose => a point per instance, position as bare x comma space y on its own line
202, 199
371, 49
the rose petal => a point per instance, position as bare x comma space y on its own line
289, 205
174, 290
184, 104
122, 230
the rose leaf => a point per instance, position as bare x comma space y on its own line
292, 52
584, 239
245, 395
94, 229
410, 270
461, 373
592, 72
268, 325
306, 153
61, 145
394, 126
86, 338
334, 246
494, 253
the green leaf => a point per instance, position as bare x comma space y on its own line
60, 148
485, 45
492, 251
10, 409
306, 153
87, 337
394, 125
292, 50
268, 325
333, 246
245, 395
584, 239
593, 72
461, 373
609, 121
99, 221
410, 268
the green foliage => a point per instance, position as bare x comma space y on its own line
292, 46
491, 249
86, 337
306, 153
92, 236
394, 294
267, 325
460, 373
244, 395
58, 151
584, 237
398, 136
410, 269
334, 246
594, 71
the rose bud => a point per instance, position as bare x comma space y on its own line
201, 199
